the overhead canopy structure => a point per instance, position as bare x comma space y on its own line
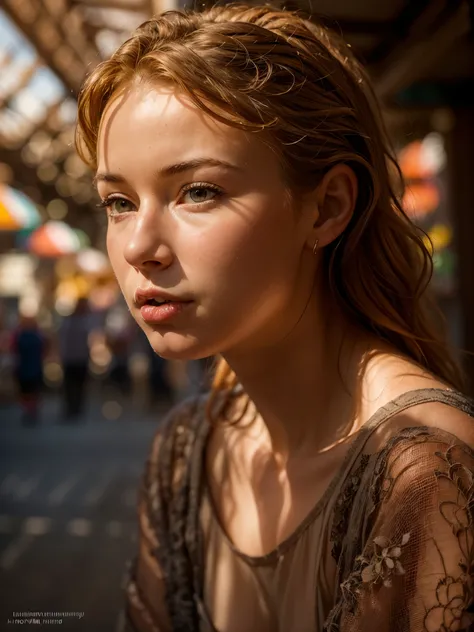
46, 49
418, 51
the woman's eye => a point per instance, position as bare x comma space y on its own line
116, 206
199, 194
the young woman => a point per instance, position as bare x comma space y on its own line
326, 481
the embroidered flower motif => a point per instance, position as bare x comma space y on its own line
449, 614
385, 561
458, 512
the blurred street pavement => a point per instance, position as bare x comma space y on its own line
68, 514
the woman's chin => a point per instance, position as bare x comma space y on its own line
176, 347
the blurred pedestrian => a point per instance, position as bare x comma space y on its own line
28, 347
74, 351
120, 332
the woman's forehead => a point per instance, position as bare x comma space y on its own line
158, 121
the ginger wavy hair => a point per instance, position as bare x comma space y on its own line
261, 68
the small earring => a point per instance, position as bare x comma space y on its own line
315, 247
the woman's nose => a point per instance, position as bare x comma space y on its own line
147, 244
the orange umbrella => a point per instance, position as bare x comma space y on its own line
420, 199
55, 238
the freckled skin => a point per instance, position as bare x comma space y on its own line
240, 256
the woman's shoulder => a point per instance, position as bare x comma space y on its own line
441, 414
418, 448
421, 446
412, 439
399, 395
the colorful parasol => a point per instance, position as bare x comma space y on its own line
17, 211
55, 238
421, 198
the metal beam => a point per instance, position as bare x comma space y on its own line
29, 30
23, 80
416, 56
414, 12
71, 21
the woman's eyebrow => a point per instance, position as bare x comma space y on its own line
171, 170
107, 177
195, 163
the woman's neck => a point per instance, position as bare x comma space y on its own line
304, 387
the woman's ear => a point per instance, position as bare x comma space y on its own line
336, 200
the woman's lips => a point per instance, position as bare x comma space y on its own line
155, 314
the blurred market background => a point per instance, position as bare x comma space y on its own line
71, 452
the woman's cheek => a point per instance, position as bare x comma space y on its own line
120, 266
116, 258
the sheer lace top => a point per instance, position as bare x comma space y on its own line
389, 546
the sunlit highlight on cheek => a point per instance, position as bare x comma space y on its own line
116, 252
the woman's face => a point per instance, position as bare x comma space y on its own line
199, 210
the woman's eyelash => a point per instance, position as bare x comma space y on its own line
201, 185
103, 203
106, 202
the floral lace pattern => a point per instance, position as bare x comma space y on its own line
425, 572
379, 568
385, 561
455, 595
